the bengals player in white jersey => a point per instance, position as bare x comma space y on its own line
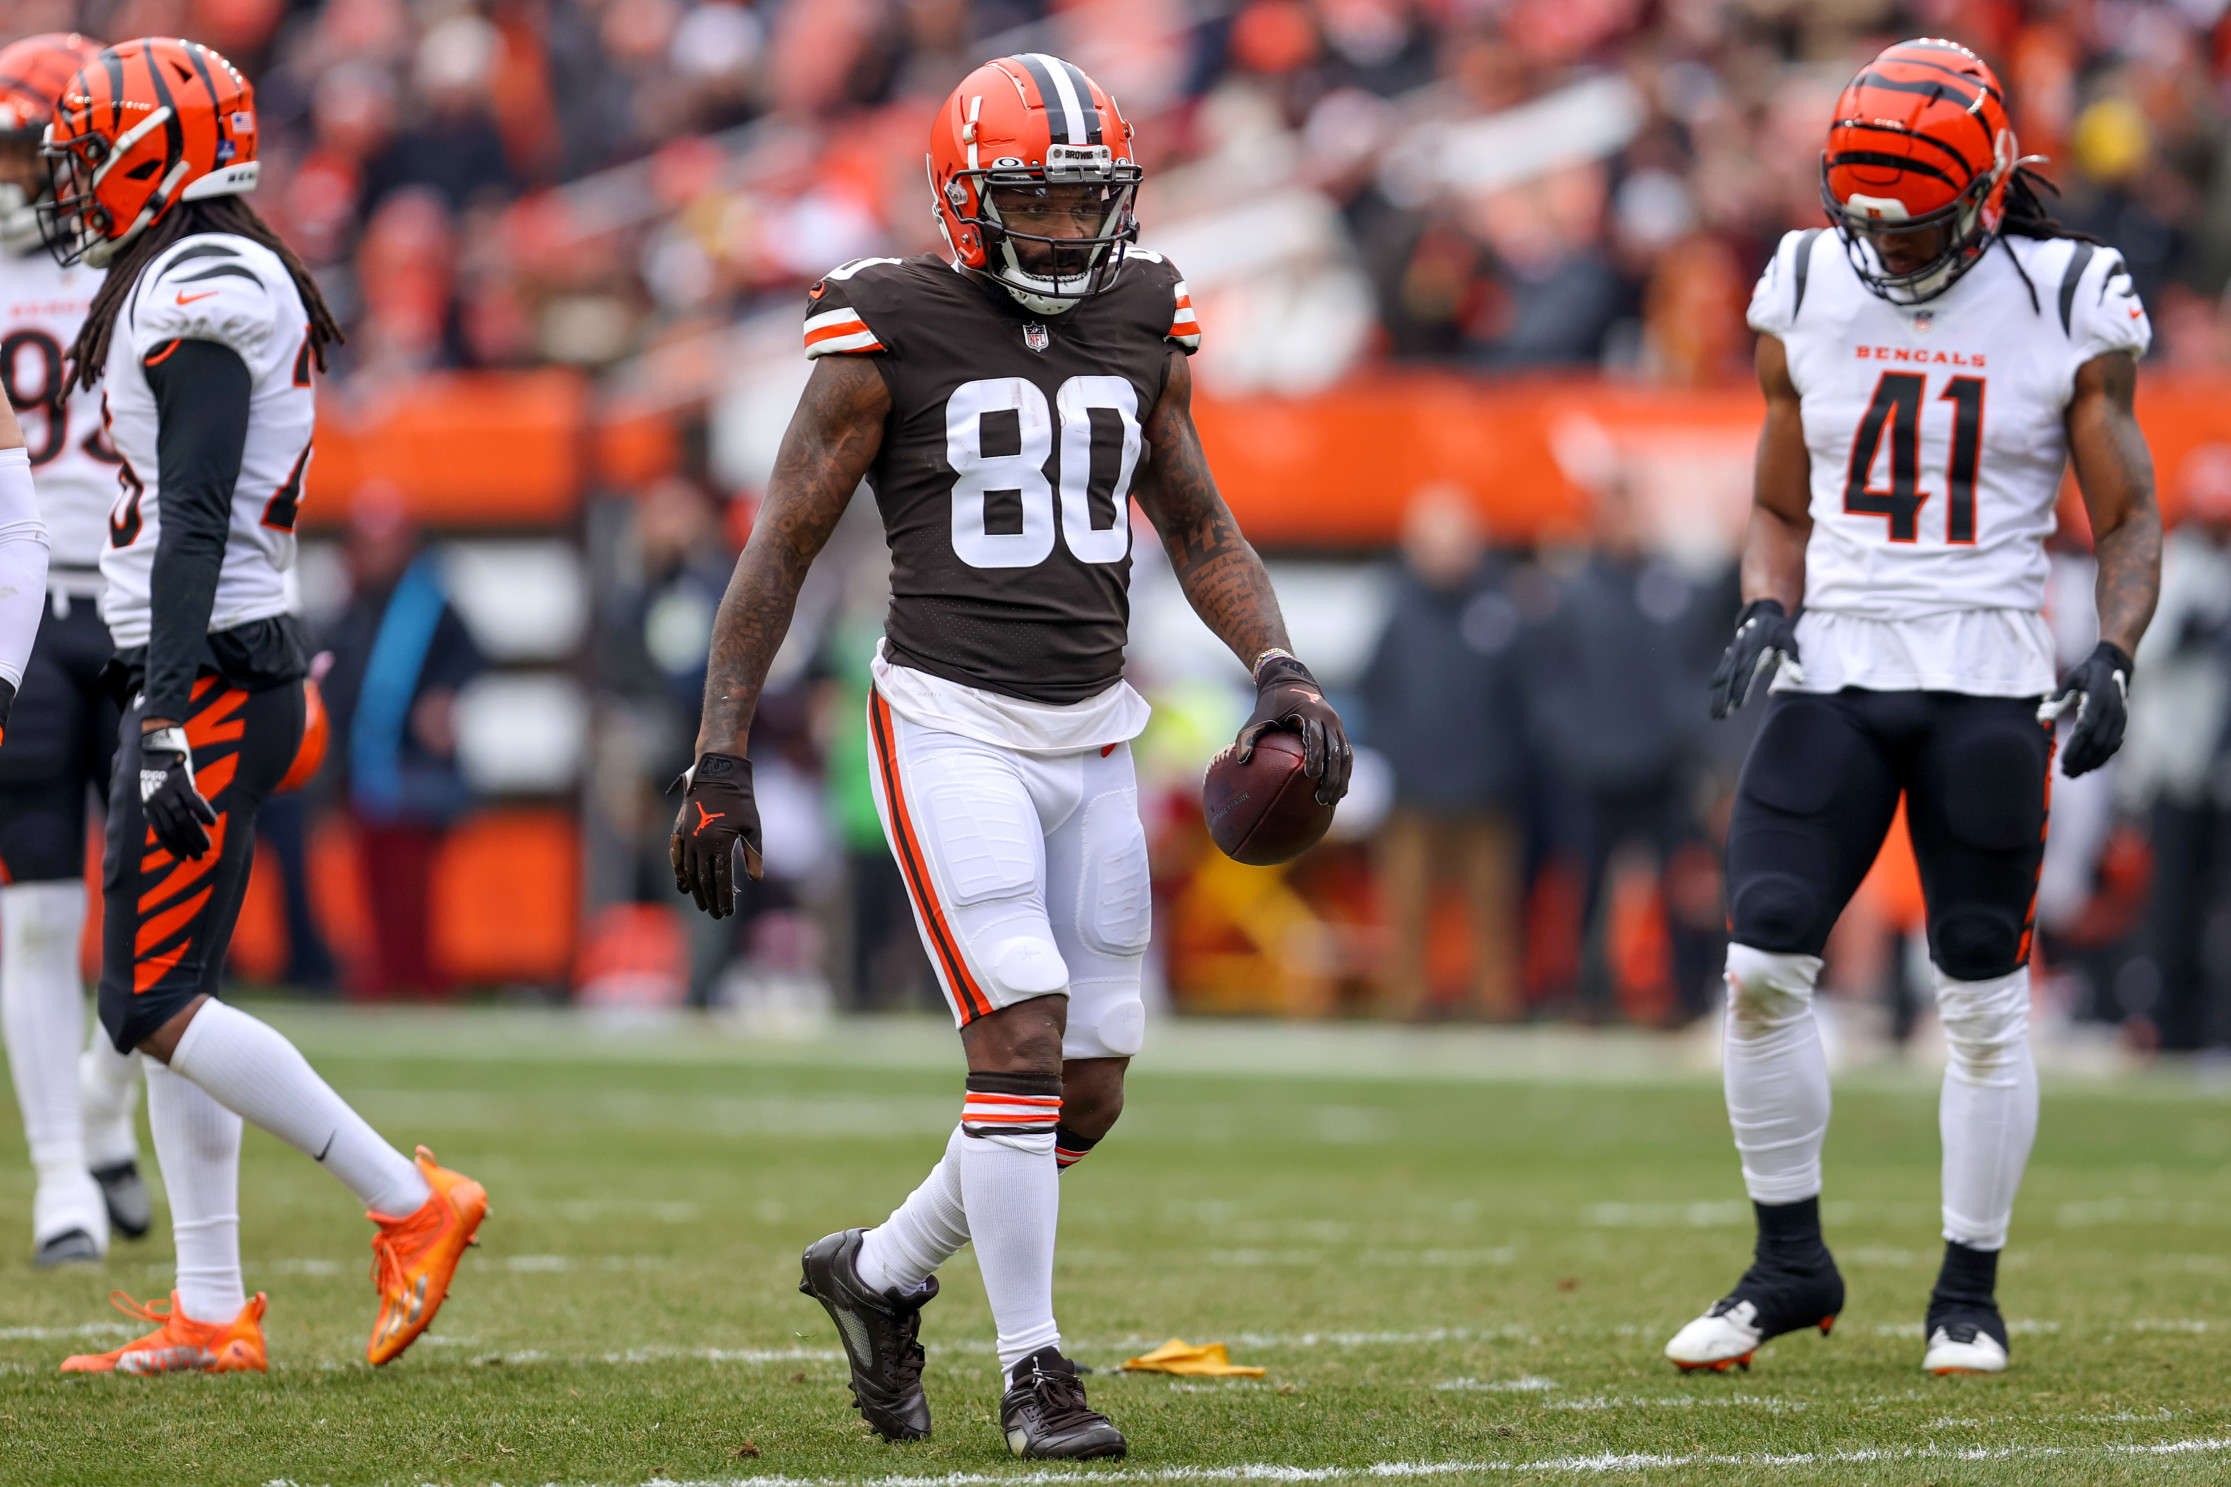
1931, 365
1006, 403
205, 339
63, 734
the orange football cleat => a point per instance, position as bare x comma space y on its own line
179, 1344
414, 1257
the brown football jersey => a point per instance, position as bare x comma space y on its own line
1005, 474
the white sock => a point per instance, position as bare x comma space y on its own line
1987, 1115
1012, 1192
107, 1094
922, 1233
252, 1070
42, 1007
197, 1144
1775, 1074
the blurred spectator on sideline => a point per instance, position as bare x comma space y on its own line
662, 635
2177, 763
1442, 703
400, 655
1615, 676
883, 967
451, 142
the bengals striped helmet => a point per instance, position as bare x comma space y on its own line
141, 127
32, 74
1026, 146
1917, 165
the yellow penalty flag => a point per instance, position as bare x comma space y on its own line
1209, 1360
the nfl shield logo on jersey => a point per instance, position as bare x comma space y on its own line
1922, 320
1035, 337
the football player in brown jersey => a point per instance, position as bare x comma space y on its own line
1006, 404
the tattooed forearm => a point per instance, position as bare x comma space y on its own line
1219, 571
2115, 471
831, 442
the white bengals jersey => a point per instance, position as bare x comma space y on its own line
223, 288
1937, 442
42, 305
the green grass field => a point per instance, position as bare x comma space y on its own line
1447, 1271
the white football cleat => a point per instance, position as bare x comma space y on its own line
1724, 1337
1963, 1347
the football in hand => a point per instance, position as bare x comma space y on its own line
1264, 811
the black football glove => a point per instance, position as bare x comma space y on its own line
1765, 637
2099, 690
717, 813
1288, 700
176, 812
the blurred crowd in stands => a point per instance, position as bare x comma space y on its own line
1507, 184
640, 188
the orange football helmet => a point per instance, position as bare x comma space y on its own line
1921, 139
32, 74
143, 126
1029, 123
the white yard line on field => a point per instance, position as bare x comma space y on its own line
1552, 1466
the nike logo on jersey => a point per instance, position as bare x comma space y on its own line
186, 299
706, 818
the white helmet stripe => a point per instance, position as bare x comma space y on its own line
1073, 118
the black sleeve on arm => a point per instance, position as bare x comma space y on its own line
201, 404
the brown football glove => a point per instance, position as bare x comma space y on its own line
1288, 700
717, 814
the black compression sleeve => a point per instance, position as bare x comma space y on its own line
201, 404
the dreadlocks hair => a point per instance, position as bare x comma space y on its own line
2026, 217
216, 214
2026, 214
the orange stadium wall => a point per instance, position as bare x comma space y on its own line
1331, 471
1337, 469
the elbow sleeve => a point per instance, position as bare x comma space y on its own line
23, 555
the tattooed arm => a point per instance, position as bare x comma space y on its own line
1227, 587
1216, 567
831, 441
2115, 471
826, 451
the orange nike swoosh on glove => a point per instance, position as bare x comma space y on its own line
187, 299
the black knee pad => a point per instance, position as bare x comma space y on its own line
1776, 911
1797, 765
1976, 944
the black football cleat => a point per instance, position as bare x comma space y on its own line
1046, 1418
882, 1336
70, 1247
130, 1212
1769, 1300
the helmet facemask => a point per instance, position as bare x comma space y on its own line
79, 227
1967, 226
1048, 272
